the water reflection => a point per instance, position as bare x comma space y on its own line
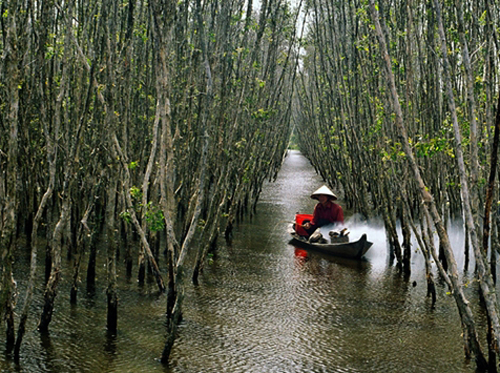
301, 256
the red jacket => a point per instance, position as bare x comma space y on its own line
330, 212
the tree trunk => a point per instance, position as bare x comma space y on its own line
469, 78
492, 339
405, 227
111, 291
9, 201
179, 265
55, 275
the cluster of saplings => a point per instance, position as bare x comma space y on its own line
145, 127
397, 106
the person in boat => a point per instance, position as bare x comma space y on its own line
326, 211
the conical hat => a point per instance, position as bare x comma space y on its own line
324, 190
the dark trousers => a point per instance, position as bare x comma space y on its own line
319, 223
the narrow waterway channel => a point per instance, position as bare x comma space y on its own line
264, 307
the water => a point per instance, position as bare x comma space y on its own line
264, 306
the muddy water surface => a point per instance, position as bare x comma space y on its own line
263, 306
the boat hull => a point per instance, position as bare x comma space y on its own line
351, 250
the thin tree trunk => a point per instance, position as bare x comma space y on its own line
145, 190
9, 203
83, 232
179, 265
492, 342
111, 291
55, 275
469, 78
422, 242
491, 181
405, 227
466, 249
91, 266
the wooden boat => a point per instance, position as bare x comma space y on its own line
342, 248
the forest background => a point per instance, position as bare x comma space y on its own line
148, 129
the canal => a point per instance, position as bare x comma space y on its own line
263, 306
